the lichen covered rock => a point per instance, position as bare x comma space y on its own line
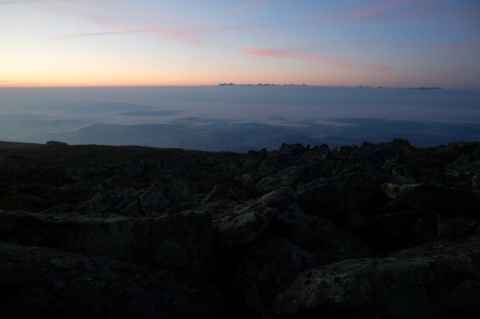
242, 228
425, 282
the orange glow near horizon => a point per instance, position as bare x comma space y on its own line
140, 83
48, 84
110, 78
121, 77
114, 75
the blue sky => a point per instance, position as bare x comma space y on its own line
394, 43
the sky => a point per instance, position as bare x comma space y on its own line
391, 43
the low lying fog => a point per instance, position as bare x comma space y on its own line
238, 118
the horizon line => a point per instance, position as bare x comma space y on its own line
224, 84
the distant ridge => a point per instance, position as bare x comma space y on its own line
423, 88
5, 144
260, 84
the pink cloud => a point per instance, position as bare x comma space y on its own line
426, 46
245, 6
271, 53
187, 35
179, 34
91, 34
280, 54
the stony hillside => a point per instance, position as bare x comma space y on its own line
378, 231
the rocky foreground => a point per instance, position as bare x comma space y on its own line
379, 231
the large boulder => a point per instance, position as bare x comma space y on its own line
436, 280
173, 241
421, 213
109, 202
242, 226
267, 269
279, 199
37, 282
331, 200
245, 222
158, 198
328, 242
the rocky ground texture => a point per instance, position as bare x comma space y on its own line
378, 231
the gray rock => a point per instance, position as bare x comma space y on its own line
158, 198
218, 192
423, 232
280, 198
426, 282
476, 181
108, 202
242, 225
38, 282
267, 269
456, 225
179, 241
324, 199
60, 209
328, 242
292, 149
395, 190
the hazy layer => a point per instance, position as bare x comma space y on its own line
237, 118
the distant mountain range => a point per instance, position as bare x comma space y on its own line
260, 84
425, 88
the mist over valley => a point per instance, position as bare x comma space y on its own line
238, 118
